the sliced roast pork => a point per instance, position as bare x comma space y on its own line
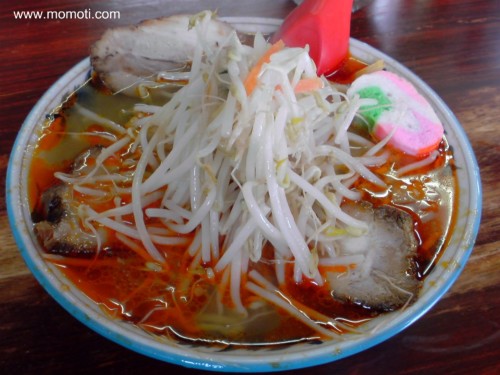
59, 226
387, 277
126, 57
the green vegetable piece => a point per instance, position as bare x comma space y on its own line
371, 113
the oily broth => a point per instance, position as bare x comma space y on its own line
185, 304
428, 194
60, 139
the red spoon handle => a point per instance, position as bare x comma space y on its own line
324, 25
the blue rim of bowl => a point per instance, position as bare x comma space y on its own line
117, 332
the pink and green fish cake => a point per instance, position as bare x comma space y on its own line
399, 109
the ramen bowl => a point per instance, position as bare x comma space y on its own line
299, 355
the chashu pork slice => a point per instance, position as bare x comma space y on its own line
58, 225
387, 278
125, 57
61, 231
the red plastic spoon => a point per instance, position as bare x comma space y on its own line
322, 24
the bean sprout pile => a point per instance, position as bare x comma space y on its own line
239, 171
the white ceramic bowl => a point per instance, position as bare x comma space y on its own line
296, 356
